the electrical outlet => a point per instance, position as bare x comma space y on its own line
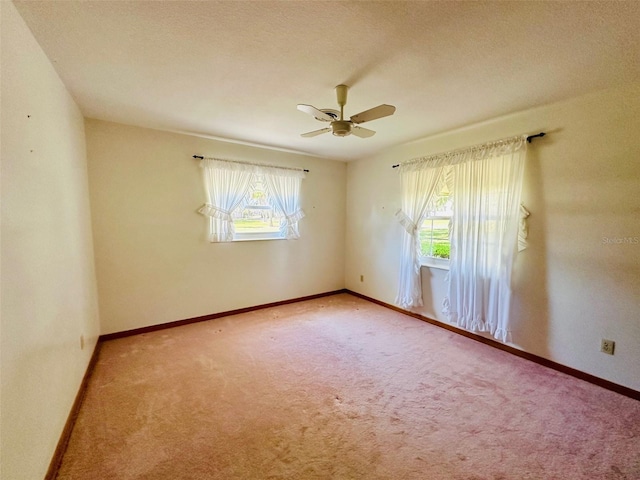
607, 346
81, 342
362, 278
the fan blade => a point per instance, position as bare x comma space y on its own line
315, 132
373, 113
362, 132
314, 112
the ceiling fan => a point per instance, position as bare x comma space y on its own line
341, 127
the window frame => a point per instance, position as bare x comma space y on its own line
429, 260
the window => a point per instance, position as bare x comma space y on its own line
255, 218
485, 181
247, 201
435, 244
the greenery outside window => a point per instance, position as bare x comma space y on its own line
256, 219
435, 244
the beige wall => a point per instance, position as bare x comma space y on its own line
48, 290
154, 263
582, 185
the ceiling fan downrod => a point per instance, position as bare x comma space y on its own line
341, 128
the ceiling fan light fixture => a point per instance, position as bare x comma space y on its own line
341, 128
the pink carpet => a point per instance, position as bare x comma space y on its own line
340, 388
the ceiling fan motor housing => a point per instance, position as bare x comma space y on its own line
341, 128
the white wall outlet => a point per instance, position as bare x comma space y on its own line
607, 346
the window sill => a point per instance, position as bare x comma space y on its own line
257, 236
257, 239
437, 263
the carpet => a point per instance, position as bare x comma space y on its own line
340, 388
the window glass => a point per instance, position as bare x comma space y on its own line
256, 218
434, 231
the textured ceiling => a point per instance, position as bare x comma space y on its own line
237, 69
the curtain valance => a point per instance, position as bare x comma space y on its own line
254, 168
505, 146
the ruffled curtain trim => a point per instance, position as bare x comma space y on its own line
219, 238
478, 152
289, 225
475, 323
294, 217
409, 225
523, 228
211, 211
409, 302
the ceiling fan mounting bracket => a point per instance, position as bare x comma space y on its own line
341, 93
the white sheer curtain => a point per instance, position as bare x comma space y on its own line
419, 183
487, 215
487, 230
226, 185
284, 189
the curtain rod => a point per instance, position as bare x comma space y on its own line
255, 164
529, 138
